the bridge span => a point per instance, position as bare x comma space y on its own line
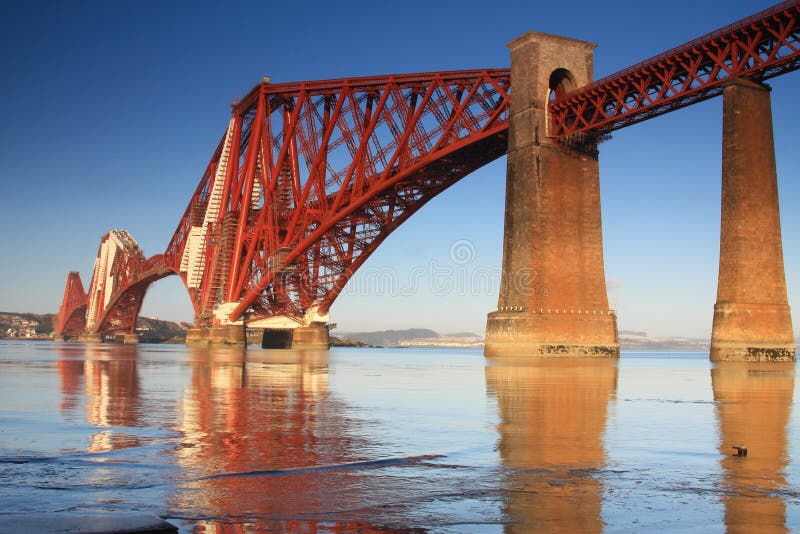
309, 178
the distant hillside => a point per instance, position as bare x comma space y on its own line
157, 331
630, 340
462, 334
412, 337
388, 338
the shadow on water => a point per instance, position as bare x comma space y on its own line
552, 421
753, 410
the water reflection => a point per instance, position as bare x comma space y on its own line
256, 429
111, 389
753, 409
552, 421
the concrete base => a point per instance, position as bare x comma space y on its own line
216, 336
90, 338
131, 339
552, 335
311, 337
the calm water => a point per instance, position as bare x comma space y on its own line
373, 440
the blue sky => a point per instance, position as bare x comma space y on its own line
111, 111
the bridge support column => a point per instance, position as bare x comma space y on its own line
752, 320
314, 336
553, 299
91, 337
217, 335
131, 339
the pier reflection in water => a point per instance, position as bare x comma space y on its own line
552, 420
753, 408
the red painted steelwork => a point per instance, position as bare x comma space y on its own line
319, 173
121, 277
132, 280
71, 321
759, 47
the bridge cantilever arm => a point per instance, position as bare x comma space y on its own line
253, 293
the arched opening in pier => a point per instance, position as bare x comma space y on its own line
562, 82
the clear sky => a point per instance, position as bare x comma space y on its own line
111, 111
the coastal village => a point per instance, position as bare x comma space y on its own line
26, 325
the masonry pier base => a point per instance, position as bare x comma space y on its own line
217, 336
312, 337
91, 337
556, 335
130, 339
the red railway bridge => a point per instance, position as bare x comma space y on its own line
309, 178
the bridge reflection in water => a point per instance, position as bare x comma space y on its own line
265, 446
102, 385
552, 420
234, 441
754, 403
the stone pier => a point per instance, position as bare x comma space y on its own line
553, 299
90, 337
131, 339
217, 335
752, 320
314, 336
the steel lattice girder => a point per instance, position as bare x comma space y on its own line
318, 174
71, 319
759, 47
119, 295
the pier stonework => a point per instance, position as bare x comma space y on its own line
217, 336
312, 337
315, 336
752, 320
553, 299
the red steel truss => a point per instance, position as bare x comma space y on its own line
121, 276
309, 178
71, 320
759, 47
